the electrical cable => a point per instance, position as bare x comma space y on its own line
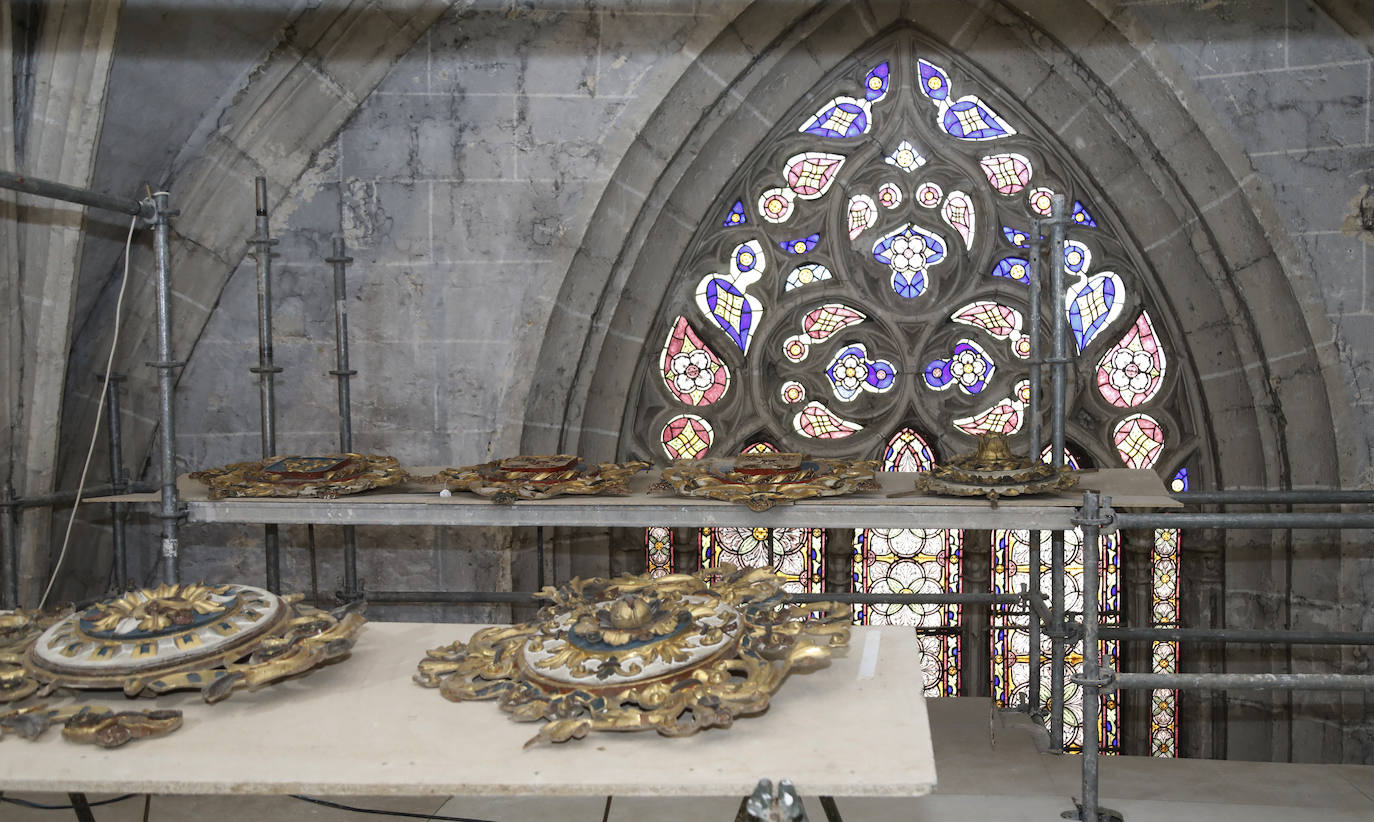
339, 806
42, 807
99, 411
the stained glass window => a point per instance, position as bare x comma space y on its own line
1011, 651
897, 560
836, 342
658, 550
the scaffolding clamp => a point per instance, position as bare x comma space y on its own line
1105, 680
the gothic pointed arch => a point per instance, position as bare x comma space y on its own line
1174, 236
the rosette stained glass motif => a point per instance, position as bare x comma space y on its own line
906, 157
658, 550
1041, 201
776, 204
1011, 651
686, 437
801, 245
1131, 372
909, 252
889, 195
958, 214
1139, 440
819, 325
968, 367
975, 163
852, 372
810, 174
863, 214
1007, 173
736, 215
805, 274
1093, 303
693, 372
999, 321
723, 299
815, 421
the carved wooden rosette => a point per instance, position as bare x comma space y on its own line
993, 471
762, 483
214, 638
326, 476
540, 477
672, 655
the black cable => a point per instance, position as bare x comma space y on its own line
342, 807
40, 806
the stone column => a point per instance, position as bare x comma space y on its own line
71, 70
975, 627
1137, 584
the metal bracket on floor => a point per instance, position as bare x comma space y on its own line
1103, 814
763, 805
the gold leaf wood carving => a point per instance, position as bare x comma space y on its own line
326, 476
539, 477
993, 471
211, 638
764, 480
672, 655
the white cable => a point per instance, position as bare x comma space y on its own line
99, 411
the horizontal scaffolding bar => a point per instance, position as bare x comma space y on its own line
72, 194
68, 497
908, 599
1307, 496
1276, 521
1226, 682
1233, 635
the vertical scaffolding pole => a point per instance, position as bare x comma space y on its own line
341, 370
9, 543
119, 480
1058, 387
262, 243
1091, 518
170, 510
1037, 345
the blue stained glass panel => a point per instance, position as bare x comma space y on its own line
721, 295
875, 84
801, 245
934, 80
1099, 296
736, 215
843, 118
1081, 216
969, 119
1016, 236
1013, 268
1180, 481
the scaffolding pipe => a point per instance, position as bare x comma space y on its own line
1058, 386
1306, 496
1250, 682
261, 244
1237, 635
1281, 520
847, 598
68, 497
9, 534
72, 194
1090, 520
1035, 702
118, 479
170, 510
339, 260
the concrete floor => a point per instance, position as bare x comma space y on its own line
988, 769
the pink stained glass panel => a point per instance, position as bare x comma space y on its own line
691, 370
1131, 372
1139, 440
686, 437
1007, 173
818, 422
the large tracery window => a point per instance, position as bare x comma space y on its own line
859, 290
